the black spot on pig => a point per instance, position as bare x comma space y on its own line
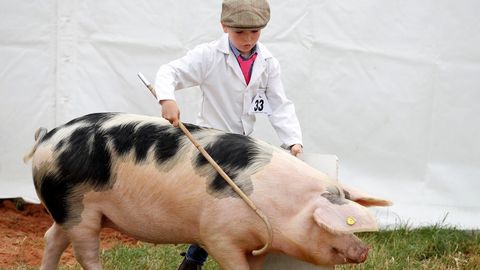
55, 193
141, 138
85, 159
165, 138
230, 150
122, 137
219, 184
234, 153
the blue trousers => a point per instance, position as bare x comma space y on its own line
196, 254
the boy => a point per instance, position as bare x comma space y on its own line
238, 77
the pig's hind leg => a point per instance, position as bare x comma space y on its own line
85, 239
56, 241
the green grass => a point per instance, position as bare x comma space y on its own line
403, 248
147, 256
424, 248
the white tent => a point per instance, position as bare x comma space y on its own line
390, 87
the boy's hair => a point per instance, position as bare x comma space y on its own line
245, 14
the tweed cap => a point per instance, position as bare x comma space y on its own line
245, 14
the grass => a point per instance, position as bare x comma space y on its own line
147, 256
435, 247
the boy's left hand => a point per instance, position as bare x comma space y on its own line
296, 149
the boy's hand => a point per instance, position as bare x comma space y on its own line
170, 111
296, 149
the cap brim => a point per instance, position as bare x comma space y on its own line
237, 29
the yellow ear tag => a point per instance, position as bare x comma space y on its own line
351, 221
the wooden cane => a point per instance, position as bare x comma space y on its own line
245, 198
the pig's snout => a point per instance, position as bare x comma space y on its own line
357, 254
353, 254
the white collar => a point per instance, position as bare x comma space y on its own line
224, 46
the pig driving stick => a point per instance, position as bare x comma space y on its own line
222, 173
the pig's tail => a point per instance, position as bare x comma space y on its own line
39, 134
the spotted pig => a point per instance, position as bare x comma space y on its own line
142, 176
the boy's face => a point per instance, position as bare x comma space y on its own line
244, 41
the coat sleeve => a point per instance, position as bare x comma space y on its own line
184, 72
283, 118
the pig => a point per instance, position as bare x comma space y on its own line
142, 176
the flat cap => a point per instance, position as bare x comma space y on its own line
245, 14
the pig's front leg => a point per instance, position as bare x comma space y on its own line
256, 262
230, 258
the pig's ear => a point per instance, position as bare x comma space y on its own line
347, 217
363, 198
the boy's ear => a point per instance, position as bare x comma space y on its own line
225, 29
364, 199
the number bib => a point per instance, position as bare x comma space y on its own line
260, 105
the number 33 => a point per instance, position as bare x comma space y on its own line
258, 105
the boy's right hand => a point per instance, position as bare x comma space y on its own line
170, 111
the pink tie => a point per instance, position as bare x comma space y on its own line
245, 66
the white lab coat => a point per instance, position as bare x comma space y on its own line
226, 98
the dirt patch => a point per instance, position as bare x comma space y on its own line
22, 236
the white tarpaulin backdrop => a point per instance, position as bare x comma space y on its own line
390, 87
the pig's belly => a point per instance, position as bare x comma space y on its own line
153, 225
156, 219
159, 211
